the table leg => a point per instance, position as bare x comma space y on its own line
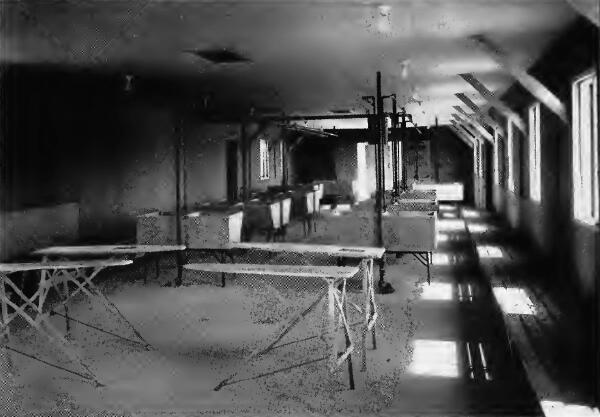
65, 297
5, 361
331, 326
178, 280
429, 260
157, 261
366, 265
283, 330
347, 339
110, 306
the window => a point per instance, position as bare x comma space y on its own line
585, 148
535, 153
264, 159
510, 180
476, 158
496, 157
481, 158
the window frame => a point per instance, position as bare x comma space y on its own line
510, 156
496, 157
586, 206
535, 151
263, 159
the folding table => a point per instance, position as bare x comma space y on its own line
333, 276
57, 275
112, 251
365, 254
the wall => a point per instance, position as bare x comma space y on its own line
23, 231
205, 161
72, 135
454, 160
568, 249
549, 224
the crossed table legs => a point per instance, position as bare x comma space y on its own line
31, 309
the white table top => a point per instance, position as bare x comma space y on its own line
329, 272
106, 250
361, 252
37, 266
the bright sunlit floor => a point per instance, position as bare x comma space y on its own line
434, 358
514, 300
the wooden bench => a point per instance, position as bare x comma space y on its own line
31, 308
336, 301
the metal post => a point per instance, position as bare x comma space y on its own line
178, 150
380, 173
404, 148
395, 161
384, 287
244, 150
433, 148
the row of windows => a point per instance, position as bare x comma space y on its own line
586, 199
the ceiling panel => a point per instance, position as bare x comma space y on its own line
307, 55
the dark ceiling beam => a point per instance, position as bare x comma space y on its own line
495, 101
280, 118
473, 126
531, 84
474, 137
480, 113
472, 121
590, 9
310, 131
461, 135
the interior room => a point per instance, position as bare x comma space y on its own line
299, 207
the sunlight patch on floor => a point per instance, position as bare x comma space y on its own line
451, 225
440, 259
434, 358
437, 291
514, 300
477, 228
470, 214
488, 251
560, 409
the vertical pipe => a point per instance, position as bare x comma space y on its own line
395, 162
380, 177
285, 149
435, 153
404, 148
244, 150
178, 146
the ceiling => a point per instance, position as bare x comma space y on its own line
307, 56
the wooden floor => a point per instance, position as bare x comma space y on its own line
201, 332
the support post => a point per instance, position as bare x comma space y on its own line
178, 211
384, 287
395, 149
244, 150
404, 148
434, 151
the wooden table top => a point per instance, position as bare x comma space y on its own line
361, 252
309, 271
106, 250
39, 266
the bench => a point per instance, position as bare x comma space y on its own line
31, 308
336, 301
